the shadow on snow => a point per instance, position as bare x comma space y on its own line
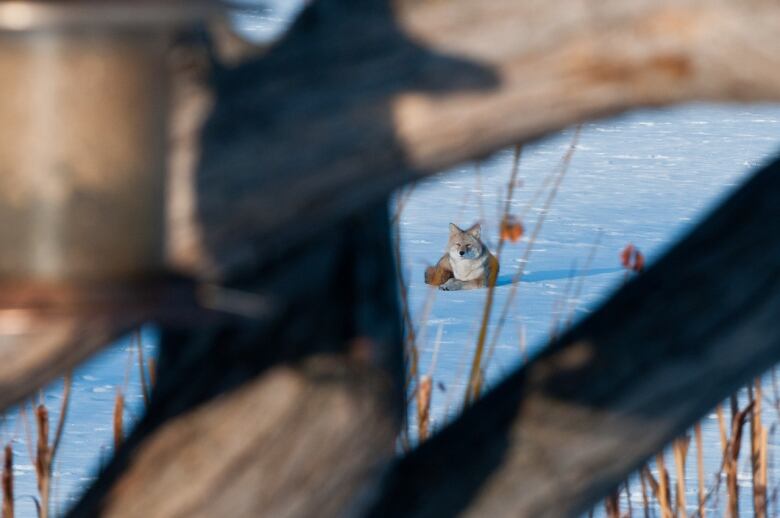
553, 275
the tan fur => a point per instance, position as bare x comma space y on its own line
468, 263
439, 274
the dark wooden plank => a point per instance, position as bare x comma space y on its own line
361, 97
557, 435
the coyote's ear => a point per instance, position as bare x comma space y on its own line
454, 229
475, 230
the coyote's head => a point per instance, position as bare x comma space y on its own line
465, 244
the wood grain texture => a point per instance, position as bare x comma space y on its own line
557, 435
34, 351
361, 97
47, 329
304, 440
294, 413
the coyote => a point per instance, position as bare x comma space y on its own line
468, 264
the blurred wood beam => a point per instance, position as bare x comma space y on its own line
47, 330
357, 100
293, 413
283, 151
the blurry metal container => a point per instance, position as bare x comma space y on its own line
83, 137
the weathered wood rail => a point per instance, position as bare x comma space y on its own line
281, 169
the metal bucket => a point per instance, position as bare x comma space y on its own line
83, 137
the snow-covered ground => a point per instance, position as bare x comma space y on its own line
644, 178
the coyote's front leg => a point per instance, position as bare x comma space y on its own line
454, 285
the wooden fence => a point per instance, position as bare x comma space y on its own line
283, 162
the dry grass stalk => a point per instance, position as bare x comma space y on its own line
732, 458
43, 458
643, 483
612, 504
474, 386
663, 487
47, 460
680, 450
764, 463
142, 368
700, 469
734, 405
152, 366
8, 483
652, 482
424, 392
756, 454
724, 441
45, 453
66, 388
627, 487
119, 409
515, 282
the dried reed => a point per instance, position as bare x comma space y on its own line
643, 483
732, 456
757, 452
66, 389
663, 487
680, 450
611, 505
424, 406
627, 488
46, 452
119, 410
475, 377
8, 482
43, 458
700, 469
152, 366
142, 368
561, 173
